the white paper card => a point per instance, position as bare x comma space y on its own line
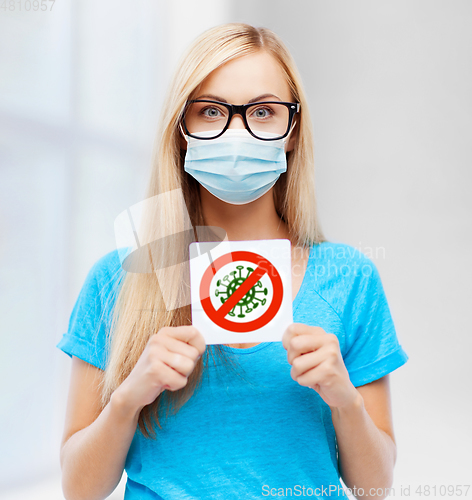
241, 291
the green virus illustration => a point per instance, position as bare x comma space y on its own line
231, 282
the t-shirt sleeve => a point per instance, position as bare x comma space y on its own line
89, 322
372, 346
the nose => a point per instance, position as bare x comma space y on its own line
236, 121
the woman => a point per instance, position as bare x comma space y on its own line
240, 420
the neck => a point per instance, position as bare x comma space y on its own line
257, 220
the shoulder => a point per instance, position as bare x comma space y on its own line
107, 268
91, 317
105, 276
345, 278
343, 261
339, 251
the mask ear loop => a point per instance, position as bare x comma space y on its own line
183, 133
287, 137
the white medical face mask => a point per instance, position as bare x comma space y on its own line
236, 167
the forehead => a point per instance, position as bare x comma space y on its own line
245, 78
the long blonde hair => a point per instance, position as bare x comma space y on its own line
139, 311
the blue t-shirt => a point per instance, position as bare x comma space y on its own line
260, 433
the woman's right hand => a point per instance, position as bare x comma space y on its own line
166, 362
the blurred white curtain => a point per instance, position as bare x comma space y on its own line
81, 87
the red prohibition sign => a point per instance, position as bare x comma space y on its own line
218, 315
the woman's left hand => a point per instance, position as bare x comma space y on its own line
317, 363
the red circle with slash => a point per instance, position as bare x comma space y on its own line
218, 315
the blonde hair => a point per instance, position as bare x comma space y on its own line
139, 310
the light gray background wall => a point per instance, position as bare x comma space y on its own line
388, 85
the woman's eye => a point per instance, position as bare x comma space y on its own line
211, 112
261, 113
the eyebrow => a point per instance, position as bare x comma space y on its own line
217, 98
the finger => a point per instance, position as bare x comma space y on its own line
302, 344
181, 364
190, 335
291, 331
321, 375
296, 329
306, 362
314, 378
199, 343
180, 347
306, 380
171, 379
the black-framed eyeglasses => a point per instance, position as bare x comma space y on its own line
265, 120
